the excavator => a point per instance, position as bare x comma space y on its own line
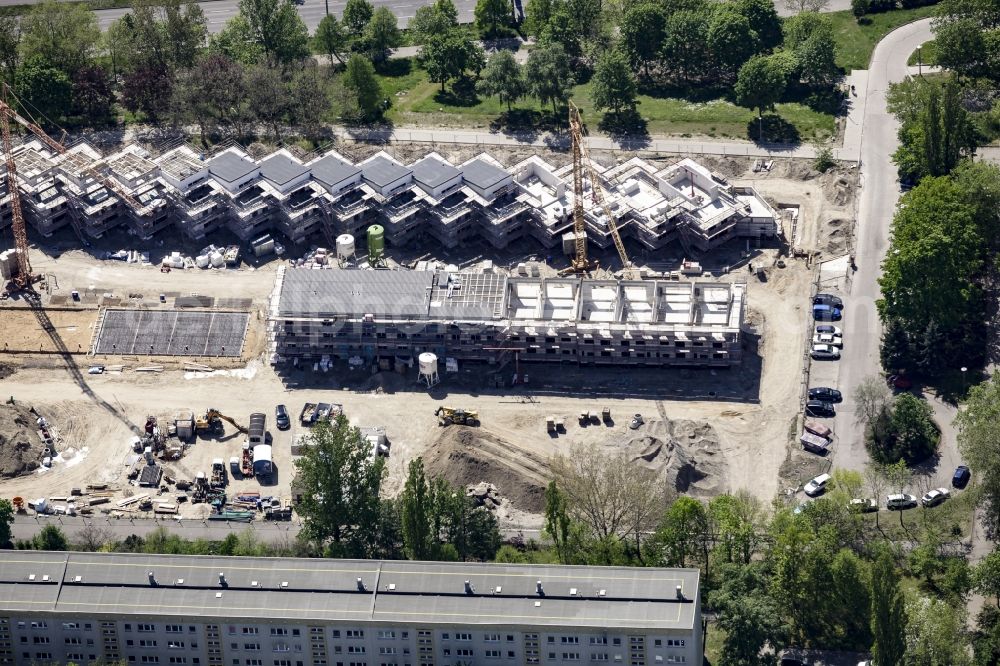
212, 421
449, 415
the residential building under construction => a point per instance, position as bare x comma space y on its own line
485, 316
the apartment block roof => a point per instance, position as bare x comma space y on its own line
351, 591
281, 169
433, 172
381, 171
331, 170
482, 174
231, 167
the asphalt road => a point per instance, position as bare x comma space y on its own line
879, 195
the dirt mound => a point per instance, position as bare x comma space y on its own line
686, 452
20, 446
468, 456
6, 370
834, 234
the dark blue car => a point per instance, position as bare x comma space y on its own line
823, 312
962, 476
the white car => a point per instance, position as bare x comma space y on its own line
817, 486
825, 352
863, 505
828, 339
828, 329
935, 497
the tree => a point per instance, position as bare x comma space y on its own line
731, 39
935, 634
276, 27
805, 6
308, 93
448, 56
888, 619
911, 434
331, 38
557, 522
94, 537
382, 34
491, 16
930, 273
548, 74
643, 30
764, 21
186, 28
967, 35
537, 14
760, 84
430, 20
749, 616
612, 496
214, 93
46, 90
366, 93
614, 85
50, 538
340, 484
681, 536
875, 477
357, 14
986, 637
62, 35
268, 97
979, 442
504, 78
683, 50
10, 42
92, 93
873, 405
6, 520
415, 513
859, 8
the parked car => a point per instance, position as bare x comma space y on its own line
825, 393
825, 353
900, 501
817, 486
826, 313
962, 476
828, 328
863, 505
281, 418
828, 299
828, 339
899, 382
820, 408
935, 497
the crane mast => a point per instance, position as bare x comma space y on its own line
581, 161
23, 278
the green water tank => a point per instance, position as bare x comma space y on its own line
376, 241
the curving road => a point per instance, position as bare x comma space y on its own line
877, 203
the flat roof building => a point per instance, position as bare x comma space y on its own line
222, 611
475, 315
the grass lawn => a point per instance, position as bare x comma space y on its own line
855, 42
417, 101
713, 643
926, 54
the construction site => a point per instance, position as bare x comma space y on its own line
408, 287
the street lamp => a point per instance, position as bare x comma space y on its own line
964, 370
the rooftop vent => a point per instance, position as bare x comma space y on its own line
391, 587
222, 579
218, 595
680, 592
180, 581
470, 588
284, 583
572, 591
31, 576
45, 578
602, 593
497, 590
77, 579
538, 589
254, 583
152, 578
361, 585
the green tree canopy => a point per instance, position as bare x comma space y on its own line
760, 84
434, 19
614, 84
50, 538
548, 74
357, 14
365, 93
492, 16
449, 55
382, 34
340, 484
276, 27
44, 89
503, 76
979, 441
888, 615
643, 30
331, 38
62, 35
6, 520
731, 38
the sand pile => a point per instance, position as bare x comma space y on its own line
469, 456
21, 448
686, 452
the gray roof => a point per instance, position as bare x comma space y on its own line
432, 172
482, 174
331, 170
381, 171
230, 167
281, 169
303, 590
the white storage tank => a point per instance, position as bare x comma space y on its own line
217, 259
345, 246
428, 363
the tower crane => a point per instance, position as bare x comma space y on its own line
581, 161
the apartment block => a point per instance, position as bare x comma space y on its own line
479, 316
231, 611
430, 200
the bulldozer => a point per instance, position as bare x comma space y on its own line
448, 415
212, 420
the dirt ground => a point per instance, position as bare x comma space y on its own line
21, 332
711, 431
21, 448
